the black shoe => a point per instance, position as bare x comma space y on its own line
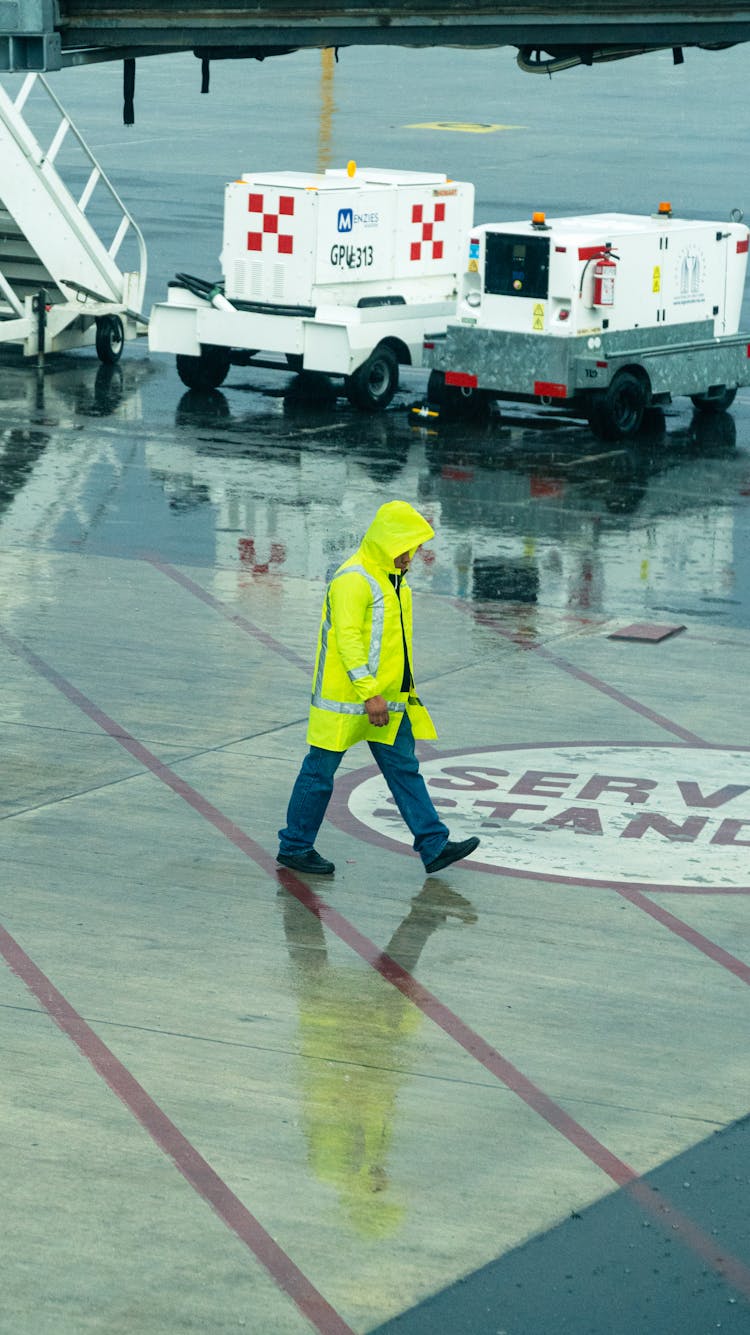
310, 862
452, 852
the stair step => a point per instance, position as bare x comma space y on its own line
26, 274
15, 247
8, 223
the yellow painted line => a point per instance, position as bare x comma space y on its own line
463, 127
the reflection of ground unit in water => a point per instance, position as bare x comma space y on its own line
283, 497
629, 525
593, 567
562, 543
651, 815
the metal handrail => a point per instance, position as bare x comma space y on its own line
97, 175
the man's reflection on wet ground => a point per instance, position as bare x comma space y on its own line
355, 1032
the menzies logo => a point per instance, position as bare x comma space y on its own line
347, 219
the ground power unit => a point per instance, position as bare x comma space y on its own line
600, 315
339, 274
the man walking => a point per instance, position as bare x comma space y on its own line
363, 690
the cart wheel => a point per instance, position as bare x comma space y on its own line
437, 389
617, 412
374, 383
205, 372
714, 403
455, 400
110, 337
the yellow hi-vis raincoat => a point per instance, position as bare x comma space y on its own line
361, 643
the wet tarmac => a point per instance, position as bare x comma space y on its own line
508, 1100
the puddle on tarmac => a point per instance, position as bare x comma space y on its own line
530, 510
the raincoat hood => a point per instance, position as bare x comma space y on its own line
396, 528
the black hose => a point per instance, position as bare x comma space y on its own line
200, 287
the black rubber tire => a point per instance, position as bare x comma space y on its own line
437, 388
455, 401
372, 386
616, 412
206, 372
714, 403
110, 339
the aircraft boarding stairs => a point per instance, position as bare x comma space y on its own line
60, 285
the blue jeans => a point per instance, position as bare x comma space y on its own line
400, 769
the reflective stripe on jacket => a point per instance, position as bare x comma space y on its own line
361, 643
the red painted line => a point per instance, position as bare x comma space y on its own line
682, 929
186, 1159
140, 752
242, 622
632, 893
581, 675
179, 578
278, 648
473, 1044
621, 698
466, 1037
735, 1272
346, 931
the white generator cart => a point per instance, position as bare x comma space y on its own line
601, 315
343, 273
61, 285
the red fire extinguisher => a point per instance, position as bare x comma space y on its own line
604, 281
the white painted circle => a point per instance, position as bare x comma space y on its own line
676, 816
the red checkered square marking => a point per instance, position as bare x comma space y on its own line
427, 246
269, 222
